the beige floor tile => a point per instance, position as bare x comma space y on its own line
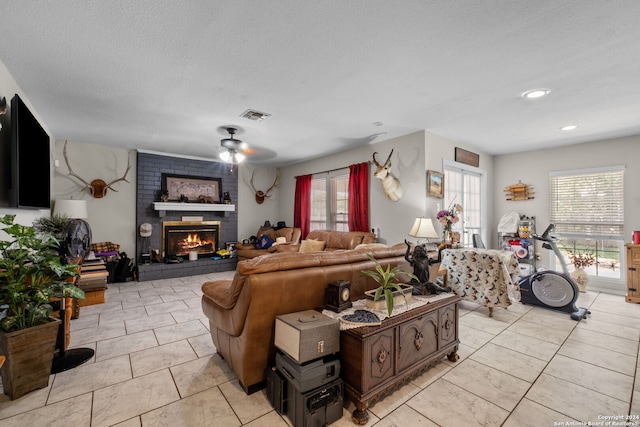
124, 345
474, 338
536, 330
497, 387
202, 345
203, 409
116, 317
182, 316
595, 378
148, 322
436, 403
610, 342
616, 319
620, 331
166, 307
247, 408
387, 405
107, 307
271, 419
131, 422
405, 416
620, 308
531, 414
573, 400
89, 377
98, 333
28, 402
119, 296
71, 412
519, 365
161, 357
635, 403
483, 322
194, 302
179, 331
433, 374
182, 295
500, 313
156, 291
83, 322
201, 374
550, 318
138, 396
599, 356
142, 301
534, 347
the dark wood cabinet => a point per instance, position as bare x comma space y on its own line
377, 360
633, 272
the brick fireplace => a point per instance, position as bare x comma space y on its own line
150, 168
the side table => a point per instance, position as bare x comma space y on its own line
377, 360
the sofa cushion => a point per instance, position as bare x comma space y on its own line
342, 239
312, 245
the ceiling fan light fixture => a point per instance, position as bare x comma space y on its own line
535, 93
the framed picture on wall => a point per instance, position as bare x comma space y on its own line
435, 184
191, 187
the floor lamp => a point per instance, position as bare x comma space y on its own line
76, 210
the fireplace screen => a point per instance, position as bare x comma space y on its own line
182, 237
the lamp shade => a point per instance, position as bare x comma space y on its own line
423, 228
75, 209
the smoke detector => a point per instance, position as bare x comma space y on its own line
255, 115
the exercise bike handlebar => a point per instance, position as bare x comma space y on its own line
545, 236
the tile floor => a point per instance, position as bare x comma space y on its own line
155, 365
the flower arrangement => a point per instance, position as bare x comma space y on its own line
449, 216
580, 259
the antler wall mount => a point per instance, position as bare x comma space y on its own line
98, 187
390, 184
260, 195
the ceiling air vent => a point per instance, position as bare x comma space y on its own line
255, 115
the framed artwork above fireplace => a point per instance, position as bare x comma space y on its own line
191, 187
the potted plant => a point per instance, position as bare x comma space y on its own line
31, 274
390, 286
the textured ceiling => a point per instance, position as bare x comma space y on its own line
169, 76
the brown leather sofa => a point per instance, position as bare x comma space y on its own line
336, 240
291, 234
242, 311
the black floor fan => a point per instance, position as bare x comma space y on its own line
63, 358
75, 246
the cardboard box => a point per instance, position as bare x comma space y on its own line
307, 335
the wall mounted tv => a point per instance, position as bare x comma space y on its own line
30, 160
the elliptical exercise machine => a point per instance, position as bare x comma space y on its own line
551, 289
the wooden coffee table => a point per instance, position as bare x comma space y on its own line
377, 360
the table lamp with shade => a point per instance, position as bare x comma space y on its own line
423, 229
74, 247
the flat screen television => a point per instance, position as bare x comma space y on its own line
30, 185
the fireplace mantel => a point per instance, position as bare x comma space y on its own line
163, 207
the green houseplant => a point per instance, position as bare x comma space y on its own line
31, 274
389, 282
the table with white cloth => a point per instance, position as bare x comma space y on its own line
485, 276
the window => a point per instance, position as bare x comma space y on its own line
466, 186
587, 207
330, 203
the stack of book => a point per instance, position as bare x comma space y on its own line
93, 281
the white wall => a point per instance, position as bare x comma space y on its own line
112, 217
533, 168
252, 215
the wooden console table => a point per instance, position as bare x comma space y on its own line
377, 360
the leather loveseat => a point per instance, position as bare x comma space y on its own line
242, 311
335, 240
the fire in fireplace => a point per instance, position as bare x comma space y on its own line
179, 238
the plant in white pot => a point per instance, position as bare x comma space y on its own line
390, 285
31, 274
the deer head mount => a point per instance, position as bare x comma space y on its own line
390, 184
260, 195
97, 188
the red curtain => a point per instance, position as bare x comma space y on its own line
359, 197
302, 204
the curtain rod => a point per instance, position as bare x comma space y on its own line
330, 170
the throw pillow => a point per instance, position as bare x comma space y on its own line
311, 245
265, 242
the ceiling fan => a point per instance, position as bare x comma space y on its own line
233, 150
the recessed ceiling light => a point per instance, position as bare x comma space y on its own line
535, 93
568, 127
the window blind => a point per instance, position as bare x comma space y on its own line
588, 202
